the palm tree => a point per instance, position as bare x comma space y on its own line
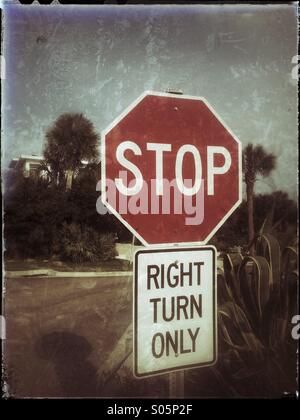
71, 139
256, 161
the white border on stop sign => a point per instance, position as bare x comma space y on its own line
103, 165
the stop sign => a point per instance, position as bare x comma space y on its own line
171, 169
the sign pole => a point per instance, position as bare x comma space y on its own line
176, 379
176, 384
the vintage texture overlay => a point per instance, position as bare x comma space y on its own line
67, 73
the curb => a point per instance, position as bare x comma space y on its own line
53, 273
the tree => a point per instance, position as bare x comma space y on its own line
71, 139
274, 213
256, 161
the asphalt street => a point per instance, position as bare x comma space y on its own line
59, 332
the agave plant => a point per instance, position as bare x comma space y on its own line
257, 297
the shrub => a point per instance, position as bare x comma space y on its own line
83, 244
36, 216
257, 297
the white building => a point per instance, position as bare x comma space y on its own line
29, 165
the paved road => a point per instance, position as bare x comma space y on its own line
60, 331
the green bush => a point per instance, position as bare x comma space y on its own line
35, 213
83, 244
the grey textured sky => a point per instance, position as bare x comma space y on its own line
97, 60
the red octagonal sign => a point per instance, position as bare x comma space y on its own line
171, 169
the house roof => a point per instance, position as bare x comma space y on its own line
15, 161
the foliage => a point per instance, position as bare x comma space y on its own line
234, 230
30, 218
36, 211
256, 161
77, 244
276, 213
71, 139
257, 297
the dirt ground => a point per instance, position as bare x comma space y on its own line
60, 332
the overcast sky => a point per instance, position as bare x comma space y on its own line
97, 60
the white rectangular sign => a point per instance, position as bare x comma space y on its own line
174, 309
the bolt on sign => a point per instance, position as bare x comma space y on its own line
171, 169
174, 309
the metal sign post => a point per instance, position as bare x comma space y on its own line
176, 384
